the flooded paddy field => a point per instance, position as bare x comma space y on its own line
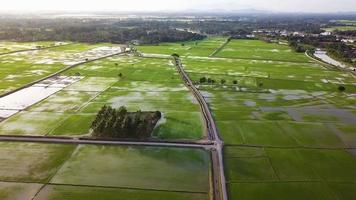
260, 50
22, 68
53, 171
199, 48
289, 131
147, 84
7, 47
20, 100
277, 143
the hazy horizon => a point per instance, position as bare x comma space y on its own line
316, 6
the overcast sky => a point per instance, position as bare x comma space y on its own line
181, 5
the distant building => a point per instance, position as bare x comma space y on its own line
326, 33
350, 41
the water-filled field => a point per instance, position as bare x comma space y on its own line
8, 47
289, 127
147, 84
288, 124
22, 68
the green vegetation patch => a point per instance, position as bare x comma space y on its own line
264, 133
144, 168
31, 123
331, 165
193, 48
64, 101
18, 191
248, 169
93, 84
312, 134
290, 165
280, 191
77, 124
31, 162
343, 191
260, 50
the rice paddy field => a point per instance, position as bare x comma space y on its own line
340, 28
54, 171
147, 84
287, 124
194, 48
19, 69
289, 133
260, 50
7, 47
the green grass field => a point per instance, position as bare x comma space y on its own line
91, 172
340, 28
259, 50
10, 191
143, 168
31, 162
194, 48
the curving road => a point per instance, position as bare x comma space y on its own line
219, 183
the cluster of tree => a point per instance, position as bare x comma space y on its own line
301, 48
350, 33
112, 123
342, 52
203, 80
319, 41
91, 31
152, 30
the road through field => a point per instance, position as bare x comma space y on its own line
72, 140
220, 191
